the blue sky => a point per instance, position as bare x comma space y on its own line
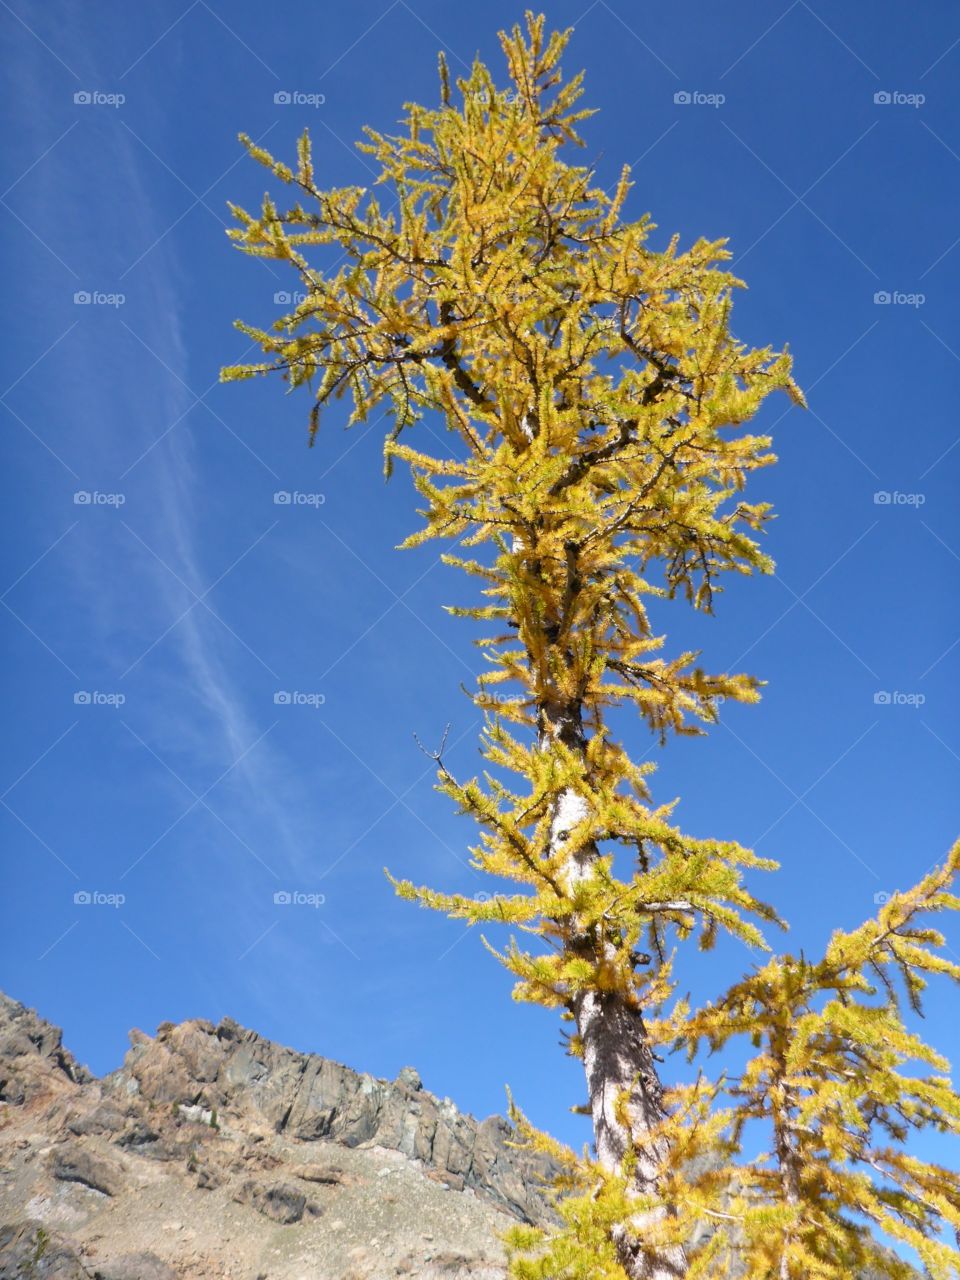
183, 588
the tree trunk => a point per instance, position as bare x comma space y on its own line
618, 1062
786, 1154
616, 1054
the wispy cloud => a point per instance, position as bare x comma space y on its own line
140, 582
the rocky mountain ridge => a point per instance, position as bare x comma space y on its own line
215, 1153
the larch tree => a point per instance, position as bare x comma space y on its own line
596, 405
835, 1082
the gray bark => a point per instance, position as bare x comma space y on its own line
618, 1062
617, 1058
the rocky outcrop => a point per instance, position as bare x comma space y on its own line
29, 1249
73, 1163
33, 1060
281, 1201
228, 1070
214, 1154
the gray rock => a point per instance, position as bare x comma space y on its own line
409, 1077
13, 1091
136, 1266
226, 1068
280, 1201
325, 1175
143, 1139
209, 1178
106, 1118
32, 1057
310, 1098
71, 1163
30, 1251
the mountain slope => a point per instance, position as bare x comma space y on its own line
213, 1152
